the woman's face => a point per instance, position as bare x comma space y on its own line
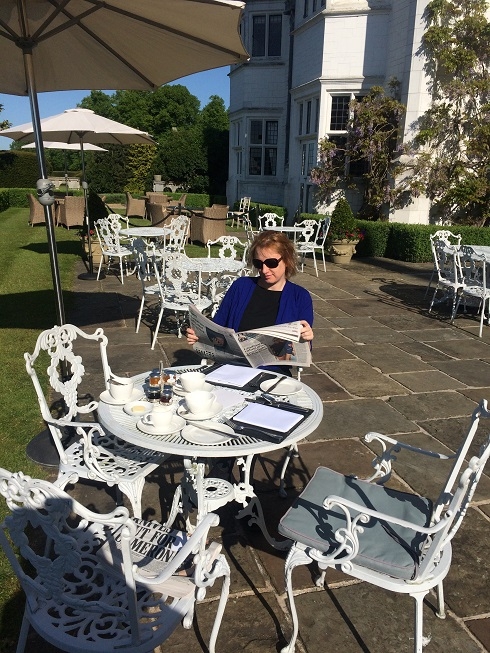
271, 277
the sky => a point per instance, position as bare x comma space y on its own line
17, 110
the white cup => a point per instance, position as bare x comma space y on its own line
122, 389
191, 381
160, 416
199, 401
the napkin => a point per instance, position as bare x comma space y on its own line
233, 375
267, 417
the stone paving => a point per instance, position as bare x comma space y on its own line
381, 363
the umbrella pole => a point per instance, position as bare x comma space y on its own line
90, 275
48, 210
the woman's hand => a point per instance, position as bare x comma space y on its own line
306, 331
191, 336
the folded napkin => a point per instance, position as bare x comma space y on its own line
267, 417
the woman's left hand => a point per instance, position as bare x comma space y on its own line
306, 331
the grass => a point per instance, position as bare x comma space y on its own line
27, 306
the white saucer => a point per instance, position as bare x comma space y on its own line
138, 408
191, 417
107, 398
176, 424
179, 390
284, 387
197, 435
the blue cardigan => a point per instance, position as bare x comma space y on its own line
295, 303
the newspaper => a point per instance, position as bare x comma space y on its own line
274, 345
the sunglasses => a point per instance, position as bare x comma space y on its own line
271, 263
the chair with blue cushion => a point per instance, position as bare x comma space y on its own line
395, 540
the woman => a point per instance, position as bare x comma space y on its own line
270, 298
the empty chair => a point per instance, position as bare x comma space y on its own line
321, 238
230, 247
249, 230
135, 207
94, 454
88, 588
158, 198
448, 269
306, 241
179, 232
209, 225
158, 214
450, 239
392, 539
72, 211
110, 243
474, 280
270, 220
243, 211
36, 211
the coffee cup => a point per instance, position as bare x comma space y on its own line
199, 401
121, 389
160, 416
191, 381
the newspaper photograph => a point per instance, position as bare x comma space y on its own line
275, 345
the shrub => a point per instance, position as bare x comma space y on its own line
343, 225
18, 169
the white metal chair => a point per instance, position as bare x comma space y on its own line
450, 239
250, 233
145, 263
448, 268
322, 238
88, 587
176, 240
243, 211
306, 241
95, 454
179, 288
389, 538
474, 281
270, 220
110, 242
228, 249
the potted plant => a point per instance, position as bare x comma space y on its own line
343, 234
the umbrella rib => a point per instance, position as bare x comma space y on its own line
165, 28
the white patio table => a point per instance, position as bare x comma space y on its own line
211, 265
289, 231
146, 232
211, 493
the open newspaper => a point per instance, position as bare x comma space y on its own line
275, 345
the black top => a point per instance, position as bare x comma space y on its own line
261, 310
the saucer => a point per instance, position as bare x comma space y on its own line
138, 408
197, 435
107, 398
284, 387
179, 390
176, 424
191, 417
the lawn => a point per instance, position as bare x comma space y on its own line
27, 307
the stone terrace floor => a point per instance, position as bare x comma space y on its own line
381, 363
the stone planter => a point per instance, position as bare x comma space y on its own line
341, 251
96, 251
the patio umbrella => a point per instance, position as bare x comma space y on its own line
54, 45
82, 126
53, 145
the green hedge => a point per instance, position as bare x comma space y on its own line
18, 169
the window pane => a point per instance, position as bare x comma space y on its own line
256, 132
258, 36
340, 112
300, 126
311, 157
308, 117
255, 162
275, 29
270, 161
303, 160
271, 132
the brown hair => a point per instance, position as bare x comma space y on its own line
281, 243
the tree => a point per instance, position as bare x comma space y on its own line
215, 125
369, 153
453, 143
5, 124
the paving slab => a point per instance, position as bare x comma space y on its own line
388, 358
426, 381
473, 373
367, 334
431, 405
362, 380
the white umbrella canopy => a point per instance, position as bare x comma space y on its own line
122, 44
53, 145
53, 45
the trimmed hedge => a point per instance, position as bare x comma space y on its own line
18, 168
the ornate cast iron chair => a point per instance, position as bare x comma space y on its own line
450, 239
243, 211
270, 220
306, 241
474, 279
94, 455
88, 586
448, 269
392, 539
110, 242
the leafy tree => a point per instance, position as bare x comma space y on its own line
5, 124
215, 125
453, 143
369, 152
181, 159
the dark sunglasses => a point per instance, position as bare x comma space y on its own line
271, 263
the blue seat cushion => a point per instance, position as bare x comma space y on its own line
384, 547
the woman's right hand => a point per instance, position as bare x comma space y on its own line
191, 336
